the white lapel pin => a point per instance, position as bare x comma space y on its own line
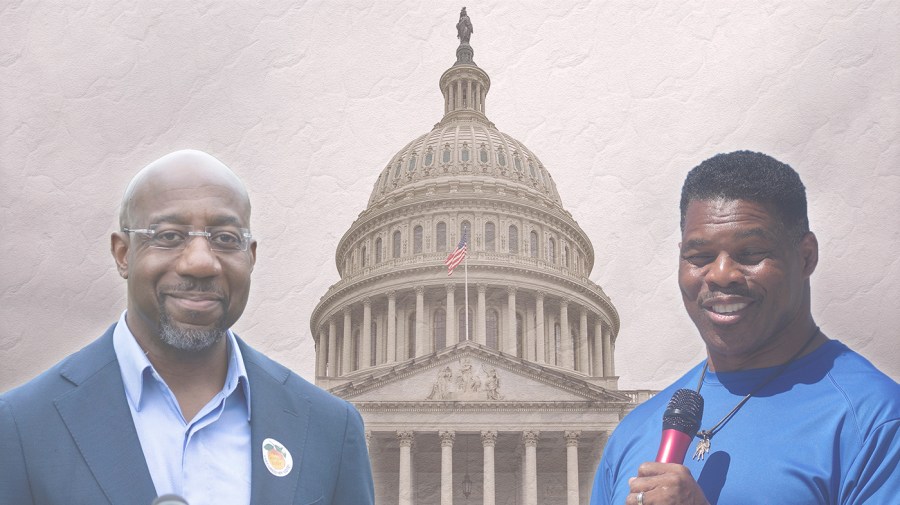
276, 457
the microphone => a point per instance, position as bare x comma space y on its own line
680, 424
169, 499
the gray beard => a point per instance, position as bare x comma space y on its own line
193, 340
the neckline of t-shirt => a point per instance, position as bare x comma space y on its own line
757, 374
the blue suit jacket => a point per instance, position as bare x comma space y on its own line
67, 437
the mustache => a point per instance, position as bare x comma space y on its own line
733, 290
195, 286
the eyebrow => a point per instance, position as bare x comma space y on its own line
753, 232
220, 220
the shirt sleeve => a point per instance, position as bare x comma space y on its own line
872, 478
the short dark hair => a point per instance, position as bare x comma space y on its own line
747, 175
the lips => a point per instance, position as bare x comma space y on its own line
725, 309
195, 302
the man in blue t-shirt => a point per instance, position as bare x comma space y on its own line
790, 415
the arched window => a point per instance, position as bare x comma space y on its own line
531, 168
440, 329
378, 250
465, 232
417, 240
362, 256
513, 240
483, 154
501, 157
534, 244
397, 169
411, 332
551, 250
395, 251
566, 256
412, 163
440, 237
489, 237
518, 162
429, 157
520, 336
445, 156
464, 152
461, 324
492, 326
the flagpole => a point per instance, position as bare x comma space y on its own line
466, 268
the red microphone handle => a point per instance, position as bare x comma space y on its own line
673, 447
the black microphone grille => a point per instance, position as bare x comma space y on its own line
684, 412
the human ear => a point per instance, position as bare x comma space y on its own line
118, 245
809, 253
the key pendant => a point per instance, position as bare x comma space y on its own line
702, 447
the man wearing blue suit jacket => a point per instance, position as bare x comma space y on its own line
169, 400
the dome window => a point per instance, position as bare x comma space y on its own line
412, 163
395, 246
445, 157
501, 157
531, 168
534, 244
440, 243
429, 157
417, 240
397, 169
513, 240
483, 154
464, 152
518, 162
378, 250
489, 237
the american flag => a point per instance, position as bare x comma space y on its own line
457, 256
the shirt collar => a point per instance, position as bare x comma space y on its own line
136, 368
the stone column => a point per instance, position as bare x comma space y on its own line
530, 438
458, 95
452, 332
581, 350
572, 467
332, 348
608, 369
421, 335
540, 335
530, 332
365, 346
597, 365
347, 349
511, 343
481, 316
489, 440
565, 342
406, 440
321, 353
447, 438
391, 328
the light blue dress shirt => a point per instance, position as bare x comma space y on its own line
206, 459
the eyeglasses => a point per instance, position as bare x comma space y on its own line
176, 237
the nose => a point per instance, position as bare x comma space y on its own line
724, 271
198, 260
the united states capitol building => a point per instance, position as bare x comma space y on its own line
494, 385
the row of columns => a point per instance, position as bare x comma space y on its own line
590, 357
465, 94
488, 442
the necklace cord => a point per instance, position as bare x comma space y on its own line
708, 434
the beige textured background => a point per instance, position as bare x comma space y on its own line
307, 101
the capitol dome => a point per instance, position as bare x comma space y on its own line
464, 178
512, 350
